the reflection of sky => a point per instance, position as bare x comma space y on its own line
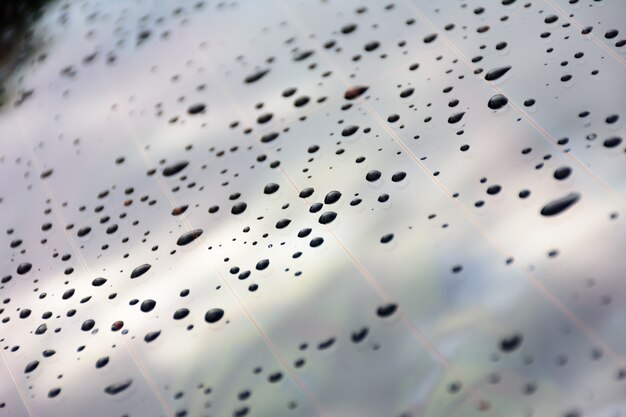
449, 325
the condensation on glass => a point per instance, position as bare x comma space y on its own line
315, 208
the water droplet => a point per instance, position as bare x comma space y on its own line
256, 76
327, 217
355, 92
271, 188
147, 305
373, 175
559, 205
332, 197
386, 238
140, 270
496, 73
177, 211
174, 169
612, 142
455, 118
562, 173
31, 367
262, 264
23, 268
196, 108
87, 325
149, 337
181, 313
214, 315
497, 102
349, 130
102, 362
511, 343
189, 237
114, 389
386, 310
359, 335
239, 208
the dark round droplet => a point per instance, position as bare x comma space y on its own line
87, 325
54, 392
149, 337
332, 197
189, 237
497, 102
407, 93
147, 305
23, 268
214, 315
118, 387
140, 270
359, 335
327, 217
455, 118
282, 223
262, 264
511, 343
386, 310
559, 205
355, 92
264, 118
496, 73
398, 176
102, 362
117, 325
84, 231
373, 175
301, 101
31, 366
494, 189
181, 313
196, 108
271, 188
306, 193
393, 118
24, 313
46, 173
174, 169
430, 38
349, 130
275, 377
386, 238
315, 242
612, 142
562, 173
304, 232
239, 208
371, 46
269, 137
97, 282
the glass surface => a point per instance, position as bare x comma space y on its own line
314, 208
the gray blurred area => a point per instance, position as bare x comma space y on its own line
313, 208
